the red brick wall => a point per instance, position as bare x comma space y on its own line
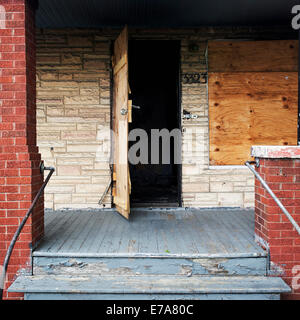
271, 225
20, 178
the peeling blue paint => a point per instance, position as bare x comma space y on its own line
147, 265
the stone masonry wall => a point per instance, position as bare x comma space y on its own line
73, 101
73, 105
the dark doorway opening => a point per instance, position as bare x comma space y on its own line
154, 82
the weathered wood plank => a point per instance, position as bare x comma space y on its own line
149, 284
120, 124
111, 242
215, 241
236, 238
82, 235
196, 233
60, 234
70, 237
245, 56
250, 109
99, 220
149, 266
115, 297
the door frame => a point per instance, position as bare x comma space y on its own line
179, 105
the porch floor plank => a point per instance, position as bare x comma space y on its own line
55, 229
178, 232
89, 241
235, 238
214, 241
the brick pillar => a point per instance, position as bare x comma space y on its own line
20, 178
280, 168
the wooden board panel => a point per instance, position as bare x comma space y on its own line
248, 109
129, 111
240, 56
152, 232
120, 125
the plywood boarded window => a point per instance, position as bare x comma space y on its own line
253, 97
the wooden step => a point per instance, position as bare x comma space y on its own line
170, 242
151, 264
68, 287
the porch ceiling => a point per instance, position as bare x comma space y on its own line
162, 13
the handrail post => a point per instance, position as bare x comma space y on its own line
18, 231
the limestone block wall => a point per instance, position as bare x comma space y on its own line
73, 106
73, 101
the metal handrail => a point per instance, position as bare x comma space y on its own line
18, 231
279, 203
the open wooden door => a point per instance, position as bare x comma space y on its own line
121, 117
